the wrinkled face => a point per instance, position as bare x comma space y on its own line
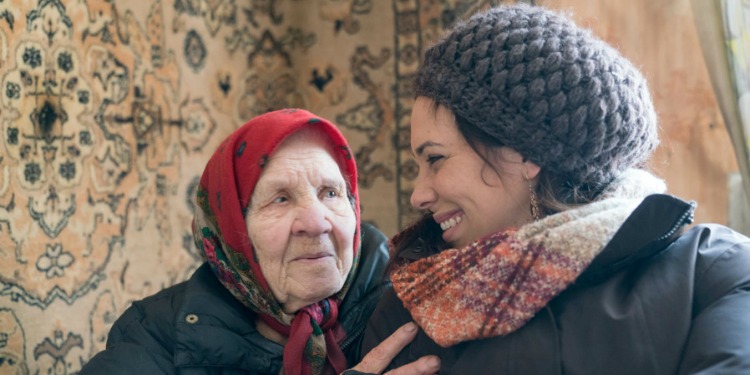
301, 223
464, 194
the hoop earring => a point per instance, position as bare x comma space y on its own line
532, 197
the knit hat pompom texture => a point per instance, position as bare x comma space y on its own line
546, 88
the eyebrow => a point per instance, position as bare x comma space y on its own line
334, 181
282, 182
420, 150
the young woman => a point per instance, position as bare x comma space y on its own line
545, 248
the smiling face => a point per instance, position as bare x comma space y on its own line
464, 194
301, 222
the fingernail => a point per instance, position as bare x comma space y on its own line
434, 362
410, 327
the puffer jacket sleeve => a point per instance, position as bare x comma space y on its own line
140, 341
719, 340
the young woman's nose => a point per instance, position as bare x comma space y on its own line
312, 219
423, 195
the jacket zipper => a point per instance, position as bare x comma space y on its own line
353, 337
686, 218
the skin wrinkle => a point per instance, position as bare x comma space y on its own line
300, 209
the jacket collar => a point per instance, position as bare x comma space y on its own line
655, 223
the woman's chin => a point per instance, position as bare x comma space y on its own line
315, 291
454, 237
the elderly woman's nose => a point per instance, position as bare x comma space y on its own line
312, 218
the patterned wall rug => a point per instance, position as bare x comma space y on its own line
109, 110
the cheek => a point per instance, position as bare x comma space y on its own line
270, 257
342, 214
444, 181
345, 224
270, 239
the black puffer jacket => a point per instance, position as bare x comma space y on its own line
653, 302
198, 327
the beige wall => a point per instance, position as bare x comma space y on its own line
696, 157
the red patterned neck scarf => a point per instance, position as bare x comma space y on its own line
493, 286
220, 230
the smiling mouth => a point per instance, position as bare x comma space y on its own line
450, 223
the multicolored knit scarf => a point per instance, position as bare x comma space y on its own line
495, 285
220, 230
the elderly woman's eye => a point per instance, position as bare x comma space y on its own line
330, 193
281, 199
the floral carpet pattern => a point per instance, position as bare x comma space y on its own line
109, 110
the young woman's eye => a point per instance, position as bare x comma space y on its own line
432, 159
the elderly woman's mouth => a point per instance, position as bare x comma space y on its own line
314, 257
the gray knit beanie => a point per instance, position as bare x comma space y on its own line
537, 83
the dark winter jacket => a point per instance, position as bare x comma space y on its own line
654, 301
198, 327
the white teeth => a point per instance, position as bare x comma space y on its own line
450, 223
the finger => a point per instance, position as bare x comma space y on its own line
381, 356
427, 365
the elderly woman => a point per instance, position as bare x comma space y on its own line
545, 249
286, 285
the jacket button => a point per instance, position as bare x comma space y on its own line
191, 318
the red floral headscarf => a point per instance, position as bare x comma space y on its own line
220, 230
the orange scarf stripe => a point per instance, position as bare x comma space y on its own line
495, 286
